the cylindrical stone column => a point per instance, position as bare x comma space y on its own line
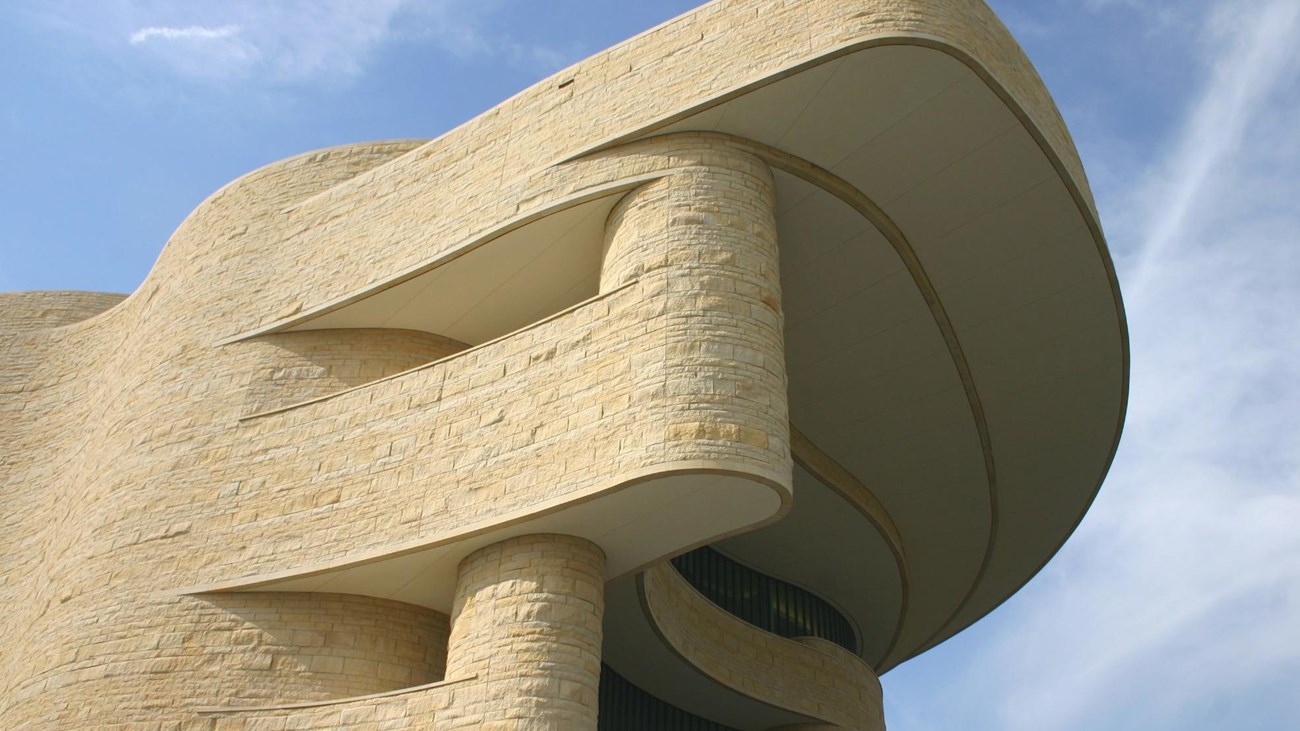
701, 245
527, 623
715, 219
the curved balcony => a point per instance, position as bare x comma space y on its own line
409, 708
763, 601
702, 659
626, 707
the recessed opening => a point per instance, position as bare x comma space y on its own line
503, 285
294, 647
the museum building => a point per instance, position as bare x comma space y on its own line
693, 387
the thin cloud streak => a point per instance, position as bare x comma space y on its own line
193, 32
1244, 76
1179, 593
321, 42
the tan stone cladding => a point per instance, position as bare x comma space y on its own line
527, 623
231, 649
292, 367
22, 311
805, 675
510, 425
615, 386
259, 648
414, 708
706, 240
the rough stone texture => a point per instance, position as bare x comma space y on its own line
21, 311
524, 651
260, 647
491, 421
805, 675
490, 430
413, 708
292, 367
527, 623
230, 649
703, 243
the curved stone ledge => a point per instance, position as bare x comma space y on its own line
437, 362
291, 646
409, 708
236, 649
807, 676
754, 596
292, 367
845, 484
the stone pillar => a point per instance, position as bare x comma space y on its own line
701, 244
714, 219
527, 622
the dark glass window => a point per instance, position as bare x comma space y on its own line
767, 603
625, 707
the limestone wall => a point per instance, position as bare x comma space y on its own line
22, 311
222, 650
291, 367
564, 406
413, 708
264, 647
527, 625
623, 384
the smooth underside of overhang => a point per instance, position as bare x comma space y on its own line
505, 283
954, 337
984, 478
825, 546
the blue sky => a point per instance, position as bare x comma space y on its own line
1177, 603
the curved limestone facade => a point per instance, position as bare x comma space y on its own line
403, 434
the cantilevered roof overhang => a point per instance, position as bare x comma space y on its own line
954, 333
955, 338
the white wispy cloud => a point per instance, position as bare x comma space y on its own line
292, 41
192, 32
461, 29
1244, 78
